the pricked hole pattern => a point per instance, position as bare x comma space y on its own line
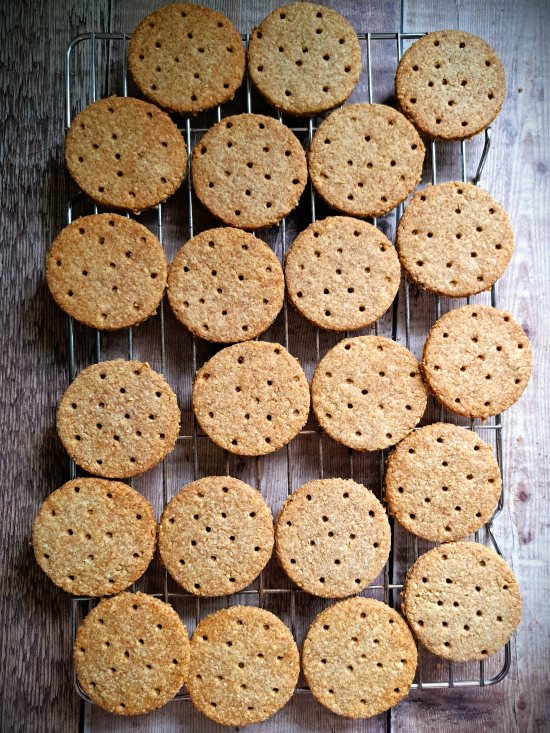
305, 51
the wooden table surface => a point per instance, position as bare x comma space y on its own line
35, 689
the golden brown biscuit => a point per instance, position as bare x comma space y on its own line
442, 482
226, 285
332, 537
118, 418
304, 58
359, 658
94, 537
454, 239
107, 271
249, 171
367, 392
477, 360
131, 654
365, 159
450, 84
251, 398
462, 601
216, 536
125, 153
244, 665
186, 58
342, 273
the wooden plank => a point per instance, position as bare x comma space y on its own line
35, 688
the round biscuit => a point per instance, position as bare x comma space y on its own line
251, 398
365, 159
244, 665
216, 536
342, 273
359, 658
249, 171
125, 153
94, 537
107, 271
131, 654
226, 285
462, 601
118, 418
454, 239
304, 58
332, 537
367, 392
442, 482
477, 360
450, 84
186, 58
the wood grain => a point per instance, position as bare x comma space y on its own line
35, 689
516, 174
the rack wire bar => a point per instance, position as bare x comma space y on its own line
109, 65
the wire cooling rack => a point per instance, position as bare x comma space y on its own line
95, 68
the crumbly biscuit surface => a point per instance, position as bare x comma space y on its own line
359, 658
249, 170
226, 285
367, 392
251, 398
94, 537
186, 58
131, 654
332, 537
244, 665
125, 153
477, 360
216, 536
107, 271
442, 482
118, 418
450, 84
365, 159
462, 601
304, 58
342, 273
454, 239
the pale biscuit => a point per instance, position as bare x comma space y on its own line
442, 482
304, 58
249, 171
226, 285
131, 654
342, 273
216, 536
107, 271
450, 84
186, 58
118, 418
462, 601
94, 537
477, 360
125, 153
454, 239
359, 658
244, 665
367, 392
251, 398
365, 159
332, 537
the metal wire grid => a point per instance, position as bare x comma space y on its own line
388, 587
